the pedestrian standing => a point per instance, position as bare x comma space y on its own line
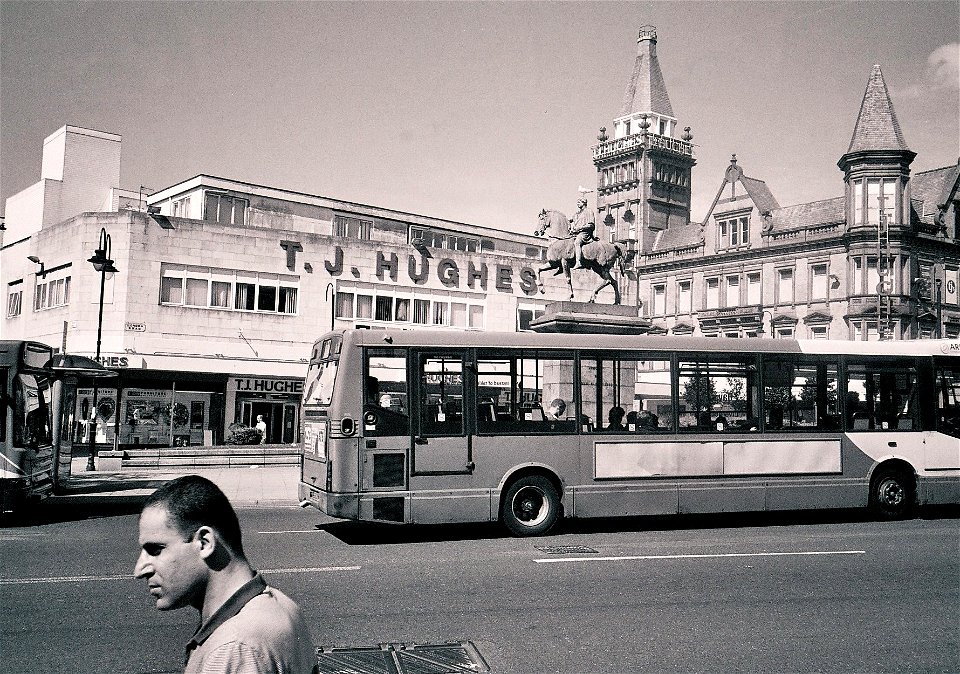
191, 554
261, 428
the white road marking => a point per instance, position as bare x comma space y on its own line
312, 569
87, 579
708, 556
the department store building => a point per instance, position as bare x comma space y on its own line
222, 287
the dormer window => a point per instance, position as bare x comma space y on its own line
733, 232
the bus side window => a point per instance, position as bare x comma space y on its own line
385, 394
441, 395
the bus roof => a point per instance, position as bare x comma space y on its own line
662, 343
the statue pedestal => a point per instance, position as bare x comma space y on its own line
590, 318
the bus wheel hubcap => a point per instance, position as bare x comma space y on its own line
891, 493
530, 506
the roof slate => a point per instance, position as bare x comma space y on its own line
762, 196
814, 213
932, 187
683, 236
877, 127
646, 90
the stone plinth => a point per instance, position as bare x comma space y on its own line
588, 318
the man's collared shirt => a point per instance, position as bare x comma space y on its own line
258, 630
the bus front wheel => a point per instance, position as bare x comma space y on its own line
531, 506
892, 493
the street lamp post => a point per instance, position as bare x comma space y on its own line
102, 263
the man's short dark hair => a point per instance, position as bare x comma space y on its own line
192, 502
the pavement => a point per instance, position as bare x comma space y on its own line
246, 486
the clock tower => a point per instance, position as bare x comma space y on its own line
643, 170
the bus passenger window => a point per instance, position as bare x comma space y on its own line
881, 396
385, 395
799, 394
948, 400
525, 392
441, 395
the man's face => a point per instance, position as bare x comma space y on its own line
174, 569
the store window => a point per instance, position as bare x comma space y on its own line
352, 228
659, 299
785, 286
713, 293
14, 298
733, 291
684, 297
206, 287
52, 291
754, 289
818, 282
181, 208
225, 209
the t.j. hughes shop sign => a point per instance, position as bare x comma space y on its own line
476, 275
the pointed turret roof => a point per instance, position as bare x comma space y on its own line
877, 126
646, 91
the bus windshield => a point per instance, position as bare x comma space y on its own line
322, 372
32, 421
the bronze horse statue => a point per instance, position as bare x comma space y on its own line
600, 257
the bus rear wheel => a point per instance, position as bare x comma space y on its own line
531, 506
892, 493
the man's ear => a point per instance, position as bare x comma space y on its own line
206, 539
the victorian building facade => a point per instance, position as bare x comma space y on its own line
879, 261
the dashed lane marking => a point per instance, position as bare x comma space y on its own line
86, 579
556, 560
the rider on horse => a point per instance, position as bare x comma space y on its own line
582, 225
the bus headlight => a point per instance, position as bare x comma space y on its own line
348, 426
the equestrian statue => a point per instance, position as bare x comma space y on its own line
573, 246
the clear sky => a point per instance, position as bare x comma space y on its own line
478, 112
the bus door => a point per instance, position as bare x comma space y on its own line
440, 443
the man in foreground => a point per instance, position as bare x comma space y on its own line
191, 554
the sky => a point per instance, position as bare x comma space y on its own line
476, 112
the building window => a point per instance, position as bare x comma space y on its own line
181, 208
785, 286
421, 311
733, 233
14, 298
352, 228
866, 276
659, 299
384, 307
753, 288
713, 293
225, 209
818, 282
733, 291
866, 331
818, 332
526, 316
205, 287
880, 193
684, 297
783, 332
51, 293
858, 203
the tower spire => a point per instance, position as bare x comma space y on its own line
646, 91
877, 127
